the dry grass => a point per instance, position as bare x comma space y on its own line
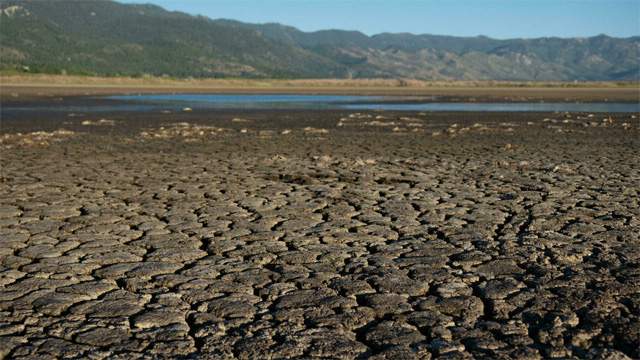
187, 131
101, 122
380, 120
88, 80
34, 139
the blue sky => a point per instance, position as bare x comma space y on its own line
497, 19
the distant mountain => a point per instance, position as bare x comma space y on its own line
107, 37
304, 39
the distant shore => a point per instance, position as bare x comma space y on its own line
43, 88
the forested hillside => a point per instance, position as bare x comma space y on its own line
110, 38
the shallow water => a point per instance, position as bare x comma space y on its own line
542, 107
177, 102
336, 102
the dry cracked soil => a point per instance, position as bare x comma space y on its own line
308, 235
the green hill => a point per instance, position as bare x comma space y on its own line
106, 37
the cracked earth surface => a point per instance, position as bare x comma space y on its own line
507, 236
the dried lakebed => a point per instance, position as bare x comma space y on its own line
268, 235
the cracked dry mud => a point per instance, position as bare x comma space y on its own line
513, 239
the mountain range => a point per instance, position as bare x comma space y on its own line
109, 38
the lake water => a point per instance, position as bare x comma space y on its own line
177, 102
336, 102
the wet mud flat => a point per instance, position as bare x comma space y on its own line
327, 234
